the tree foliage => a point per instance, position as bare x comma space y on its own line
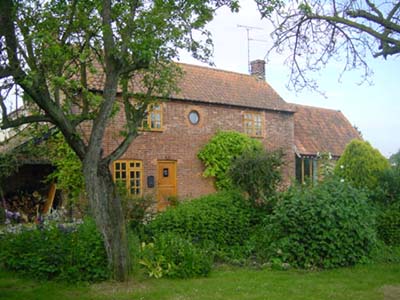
257, 173
361, 165
395, 158
316, 32
68, 168
389, 186
219, 152
50, 50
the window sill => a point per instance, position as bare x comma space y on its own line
151, 130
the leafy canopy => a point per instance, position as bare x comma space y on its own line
361, 165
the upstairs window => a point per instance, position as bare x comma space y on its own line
128, 173
253, 124
154, 119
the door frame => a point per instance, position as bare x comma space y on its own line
160, 203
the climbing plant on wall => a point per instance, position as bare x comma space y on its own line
219, 152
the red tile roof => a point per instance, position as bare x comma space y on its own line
321, 130
223, 87
216, 86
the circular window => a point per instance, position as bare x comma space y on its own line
194, 117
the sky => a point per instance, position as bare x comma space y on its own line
374, 109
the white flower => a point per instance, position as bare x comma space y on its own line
342, 180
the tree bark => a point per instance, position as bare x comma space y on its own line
105, 205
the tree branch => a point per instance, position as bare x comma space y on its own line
355, 25
373, 7
5, 72
112, 72
386, 23
7, 123
134, 117
70, 22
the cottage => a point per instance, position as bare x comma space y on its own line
163, 161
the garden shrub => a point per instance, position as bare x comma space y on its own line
257, 173
389, 225
2, 215
388, 192
218, 153
361, 165
71, 253
220, 222
325, 226
173, 256
387, 254
138, 210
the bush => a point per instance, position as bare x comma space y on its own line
220, 222
173, 256
218, 153
389, 225
138, 210
361, 165
2, 215
389, 186
326, 226
386, 254
257, 173
73, 253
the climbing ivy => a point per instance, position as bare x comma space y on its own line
219, 152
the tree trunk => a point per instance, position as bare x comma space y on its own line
105, 205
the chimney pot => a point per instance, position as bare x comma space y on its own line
257, 69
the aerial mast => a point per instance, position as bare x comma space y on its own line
248, 28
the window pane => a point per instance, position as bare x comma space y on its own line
298, 169
129, 173
306, 168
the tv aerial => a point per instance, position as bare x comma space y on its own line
248, 29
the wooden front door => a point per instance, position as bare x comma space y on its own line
166, 182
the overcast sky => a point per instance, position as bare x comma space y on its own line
374, 109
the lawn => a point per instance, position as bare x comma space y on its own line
361, 282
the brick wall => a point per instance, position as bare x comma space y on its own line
180, 141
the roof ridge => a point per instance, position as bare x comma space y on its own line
216, 69
316, 107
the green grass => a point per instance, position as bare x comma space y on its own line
362, 282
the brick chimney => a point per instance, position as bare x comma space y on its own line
257, 69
